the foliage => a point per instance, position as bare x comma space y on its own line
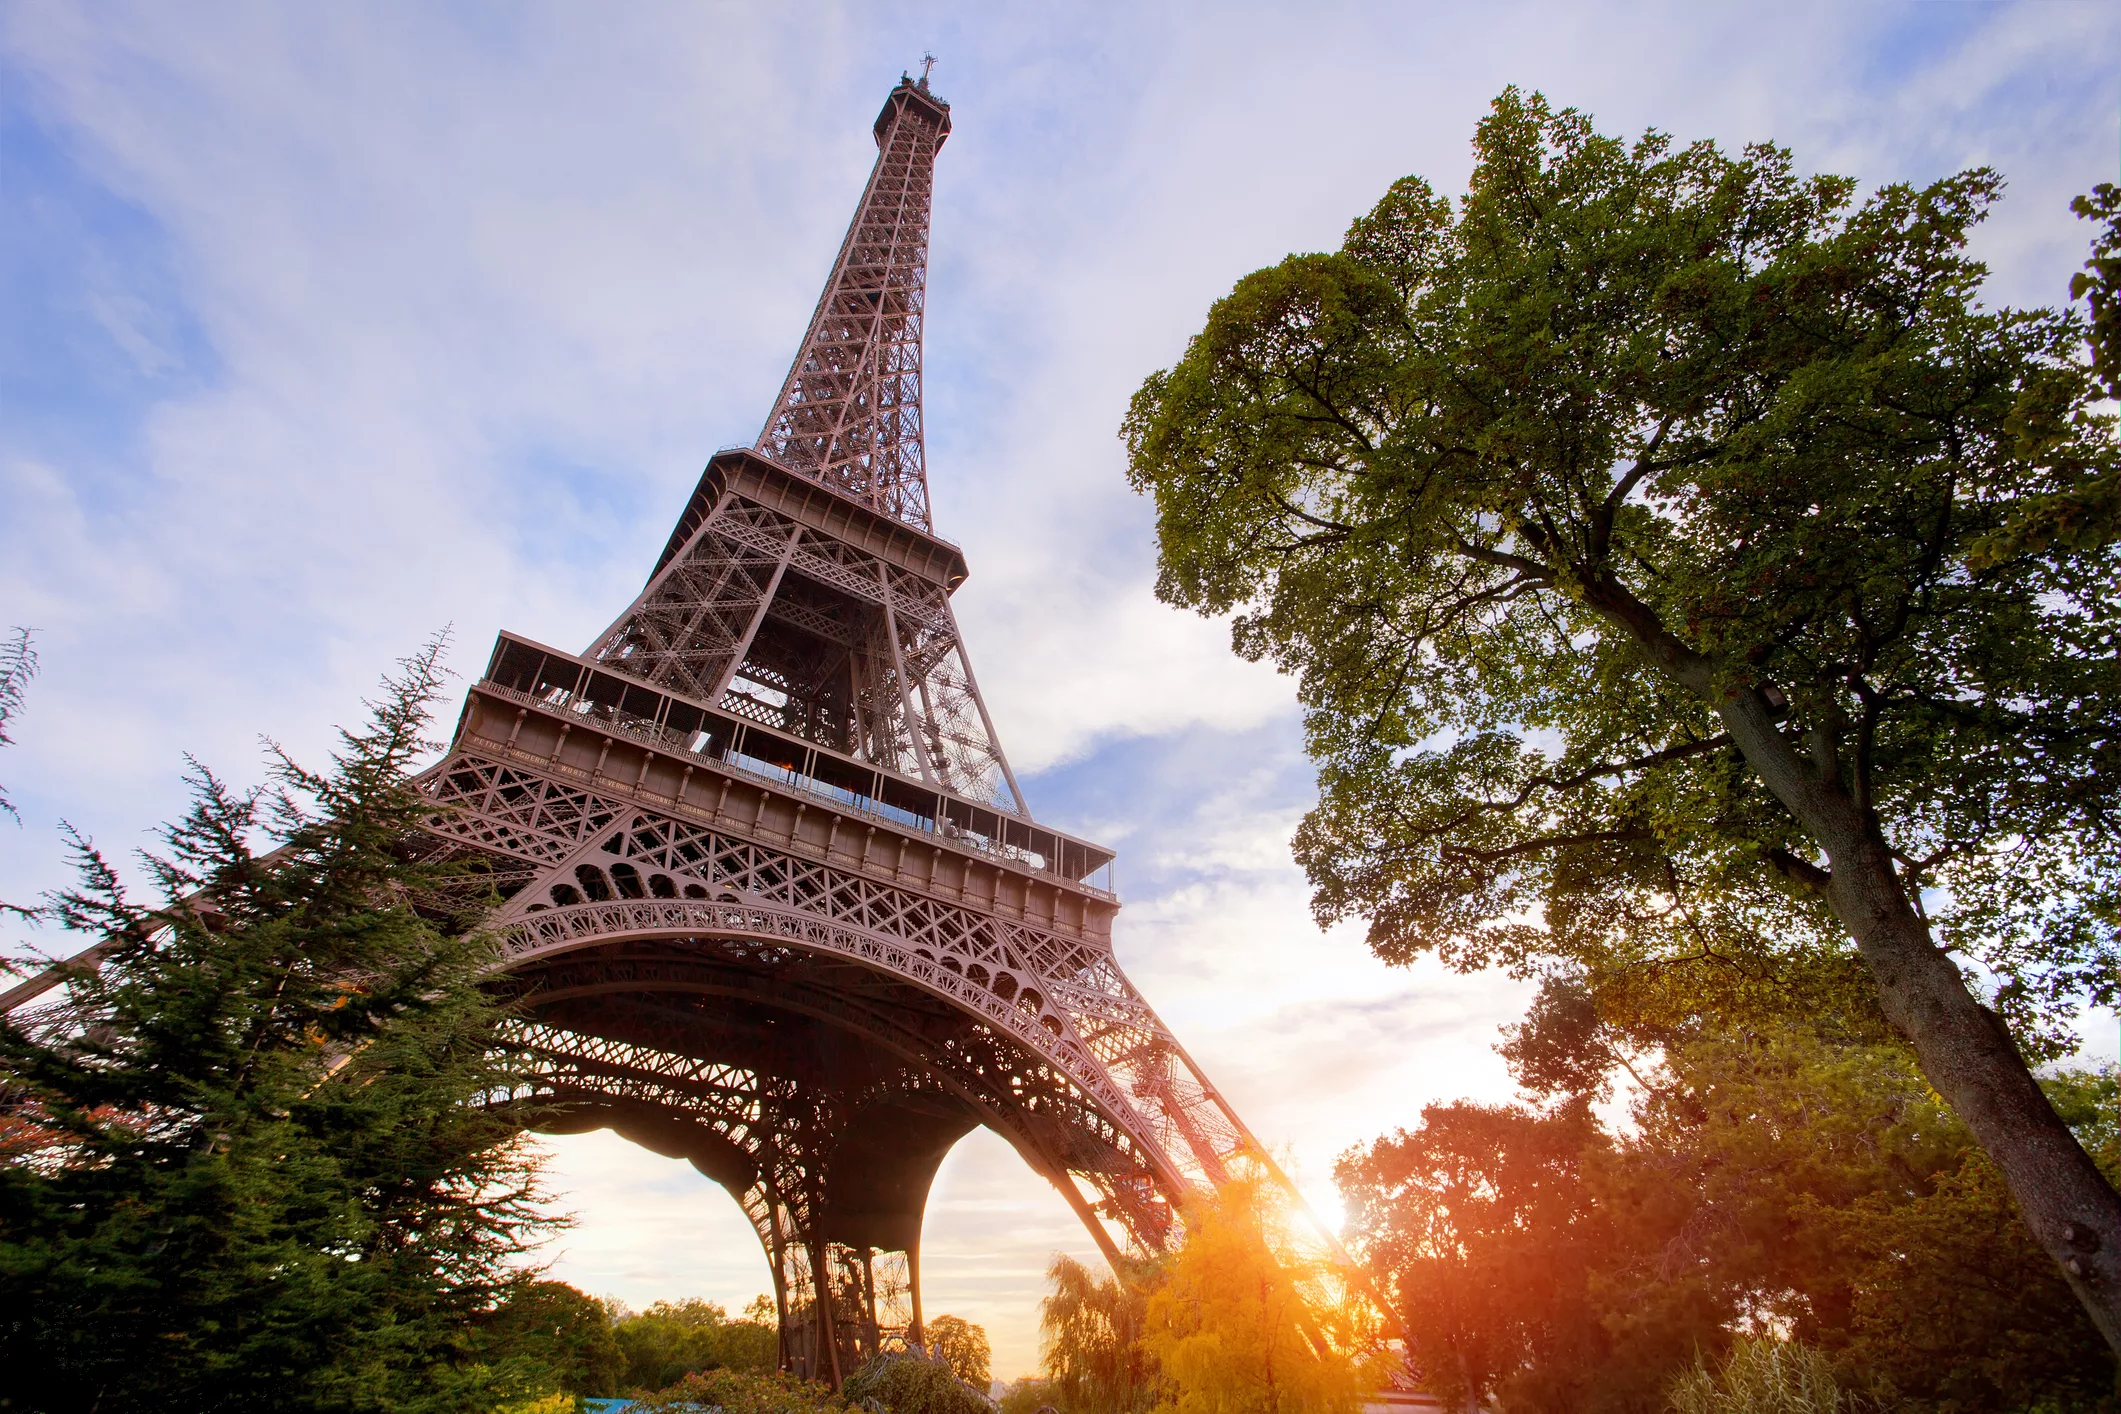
669, 1340
1770, 1181
250, 1169
548, 1335
1233, 1328
18, 664
1632, 529
962, 1346
907, 1382
1028, 1396
1478, 1224
744, 1392
1092, 1331
1763, 1377
2086, 516
540, 1404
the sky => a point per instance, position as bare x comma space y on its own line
324, 328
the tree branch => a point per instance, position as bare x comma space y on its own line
1791, 866
1544, 842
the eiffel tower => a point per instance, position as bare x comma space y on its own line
774, 900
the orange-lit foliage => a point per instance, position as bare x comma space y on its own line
1093, 1357
1479, 1224
1772, 1181
1240, 1326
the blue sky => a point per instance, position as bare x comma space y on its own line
323, 327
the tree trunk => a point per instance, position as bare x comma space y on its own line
1967, 1053
1965, 1050
1471, 1403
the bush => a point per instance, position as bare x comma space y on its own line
910, 1383
543, 1404
1763, 1377
743, 1392
1029, 1395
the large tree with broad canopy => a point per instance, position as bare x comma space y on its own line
1684, 568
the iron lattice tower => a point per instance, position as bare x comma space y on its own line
773, 901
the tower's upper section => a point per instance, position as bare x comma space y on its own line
849, 414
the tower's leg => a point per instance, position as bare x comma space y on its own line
841, 1305
846, 1254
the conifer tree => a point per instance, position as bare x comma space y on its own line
18, 664
246, 1163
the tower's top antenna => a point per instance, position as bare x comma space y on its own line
850, 413
927, 63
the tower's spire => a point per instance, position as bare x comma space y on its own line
849, 414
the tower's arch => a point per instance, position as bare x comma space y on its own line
809, 993
820, 1092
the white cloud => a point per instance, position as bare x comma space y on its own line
650, 1228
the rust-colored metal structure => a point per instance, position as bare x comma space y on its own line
775, 902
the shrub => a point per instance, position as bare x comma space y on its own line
1763, 1377
909, 1383
743, 1392
1029, 1395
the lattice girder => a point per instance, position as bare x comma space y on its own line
1062, 994
674, 1043
778, 619
849, 412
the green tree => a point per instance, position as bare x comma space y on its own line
1091, 1330
250, 1169
1236, 1326
1631, 529
549, 1335
963, 1347
2087, 514
672, 1339
18, 664
1820, 1188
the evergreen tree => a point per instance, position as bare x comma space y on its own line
246, 1162
18, 664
